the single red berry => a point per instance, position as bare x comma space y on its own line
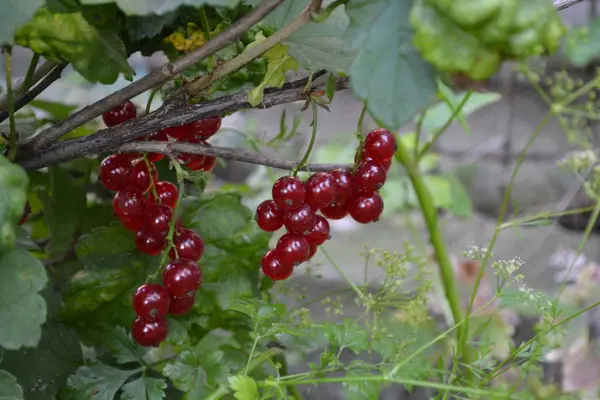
207, 163
151, 301
181, 277
386, 164
365, 208
133, 224
321, 190
160, 136
343, 184
189, 245
301, 220
288, 193
182, 305
180, 132
320, 232
292, 249
268, 216
149, 333
380, 144
274, 268
313, 250
129, 203
207, 127
119, 114
149, 244
335, 211
114, 171
369, 177
140, 177
25, 214
158, 218
168, 194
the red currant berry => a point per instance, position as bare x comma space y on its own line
380, 144
320, 232
180, 132
320, 190
288, 193
149, 333
114, 171
301, 220
181, 305
129, 204
149, 244
119, 114
158, 217
268, 216
25, 214
140, 177
181, 277
386, 164
160, 136
369, 177
151, 301
274, 268
343, 184
133, 224
189, 245
335, 211
292, 249
365, 208
207, 127
207, 163
313, 251
168, 194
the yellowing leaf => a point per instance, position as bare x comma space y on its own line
244, 387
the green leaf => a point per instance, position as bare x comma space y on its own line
347, 335
98, 54
22, 309
58, 110
136, 7
244, 387
9, 388
388, 71
582, 44
97, 382
461, 206
121, 347
14, 14
13, 195
330, 87
440, 189
144, 388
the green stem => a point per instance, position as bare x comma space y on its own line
12, 151
283, 371
152, 183
150, 98
435, 236
418, 130
256, 339
311, 144
29, 75
207, 36
342, 273
359, 128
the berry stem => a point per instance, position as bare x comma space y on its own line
304, 162
152, 183
418, 130
151, 97
359, 127
12, 151
29, 74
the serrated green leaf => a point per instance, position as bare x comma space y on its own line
97, 382
388, 71
15, 13
347, 335
98, 54
9, 388
22, 309
136, 7
121, 347
144, 388
244, 387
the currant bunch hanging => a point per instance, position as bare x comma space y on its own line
295, 205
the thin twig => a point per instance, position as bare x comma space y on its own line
564, 4
155, 78
42, 70
172, 113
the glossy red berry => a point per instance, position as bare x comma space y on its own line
292, 249
343, 184
119, 114
151, 301
149, 244
141, 177
149, 333
189, 245
321, 190
181, 305
380, 144
207, 127
168, 194
158, 218
207, 163
289, 193
133, 224
114, 171
129, 204
335, 211
386, 164
320, 232
313, 251
180, 132
268, 216
369, 177
181, 277
365, 208
274, 268
301, 220
160, 136
26, 212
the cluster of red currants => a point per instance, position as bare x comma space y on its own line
335, 193
145, 205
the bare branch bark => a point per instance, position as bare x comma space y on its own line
155, 78
42, 70
172, 113
564, 4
